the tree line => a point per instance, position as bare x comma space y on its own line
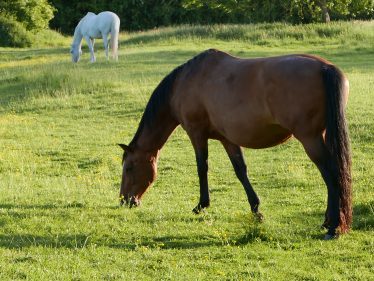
20, 17
146, 14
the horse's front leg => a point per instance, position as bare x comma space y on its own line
90, 43
200, 145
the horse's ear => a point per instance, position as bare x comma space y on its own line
124, 147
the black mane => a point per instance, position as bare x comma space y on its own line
161, 95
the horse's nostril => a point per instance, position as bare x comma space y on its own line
124, 200
121, 200
134, 202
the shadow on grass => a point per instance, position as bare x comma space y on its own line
363, 216
250, 232
17, 241
79, 241
171, 242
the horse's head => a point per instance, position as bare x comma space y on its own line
139, 172
75, 52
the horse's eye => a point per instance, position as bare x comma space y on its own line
128, 169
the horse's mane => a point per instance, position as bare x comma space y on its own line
161, 96
89, 14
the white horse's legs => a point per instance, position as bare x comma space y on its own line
90, 43
106, 46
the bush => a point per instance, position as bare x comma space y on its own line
13, 33
33, 14
362, 9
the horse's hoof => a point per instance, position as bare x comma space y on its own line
122, 202
330, 237
200, 207
197, 210
258, 217
326, 224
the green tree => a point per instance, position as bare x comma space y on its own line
33, 14
361, 9
296, 11
13, 33
146, 14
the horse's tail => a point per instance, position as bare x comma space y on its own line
114, 34
337, 140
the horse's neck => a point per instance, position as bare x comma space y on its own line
77, 39
152, 138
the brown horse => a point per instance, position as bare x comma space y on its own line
254, 103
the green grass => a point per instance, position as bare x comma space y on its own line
60, 168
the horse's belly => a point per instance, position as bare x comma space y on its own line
257, 136
95, 34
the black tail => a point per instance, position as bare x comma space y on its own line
337, 141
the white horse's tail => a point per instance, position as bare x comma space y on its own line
114, 34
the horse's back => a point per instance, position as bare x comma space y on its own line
251, 102
108, 15
107, 21
98, 25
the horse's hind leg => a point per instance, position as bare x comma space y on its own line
236, 157
106, 46
318, 153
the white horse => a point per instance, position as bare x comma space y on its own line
93, 26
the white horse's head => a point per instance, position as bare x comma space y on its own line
76, 52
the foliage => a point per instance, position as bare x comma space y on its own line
13, 33
361, 9
134, 15
33, 14
294, 11
60, 168
21, 19
140, 15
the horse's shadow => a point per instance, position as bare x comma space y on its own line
81, 240
252, 232
363, 216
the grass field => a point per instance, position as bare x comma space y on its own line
60, 168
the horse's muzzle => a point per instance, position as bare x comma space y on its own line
134, 202
130, 201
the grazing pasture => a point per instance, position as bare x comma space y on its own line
60, 167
